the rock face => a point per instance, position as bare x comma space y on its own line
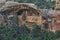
2, 2
25, 12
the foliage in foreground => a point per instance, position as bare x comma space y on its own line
23, 33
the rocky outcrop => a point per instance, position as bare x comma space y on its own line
22, 10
